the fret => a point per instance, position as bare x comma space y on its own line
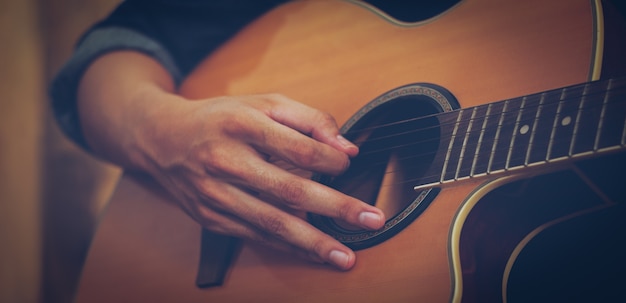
611, 129
530, 130
544, 127
563, 127
496, 139
464, 146
481, 134
555, 121
450, 145
587, 120
521, 133
533, 133
475, 139
447, 123
471, 142
455, 159
575, 133
504, 134
487, 134
596, 142
576, 125
514, 134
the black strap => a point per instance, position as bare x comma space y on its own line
216, 255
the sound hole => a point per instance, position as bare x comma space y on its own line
398, 139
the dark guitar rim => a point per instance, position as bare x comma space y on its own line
434, 96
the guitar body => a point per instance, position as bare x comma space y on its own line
337, 56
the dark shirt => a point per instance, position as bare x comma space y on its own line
179, 34
188, 29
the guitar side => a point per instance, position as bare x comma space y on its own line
146, 249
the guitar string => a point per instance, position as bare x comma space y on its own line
505, 148
435, 177
498, 165
615, 89
451, 113
422, 142
526, 121
480, 118
596, 85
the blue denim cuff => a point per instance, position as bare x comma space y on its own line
64, 86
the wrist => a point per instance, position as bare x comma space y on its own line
157, 115
117, 98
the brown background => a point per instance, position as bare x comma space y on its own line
50, 190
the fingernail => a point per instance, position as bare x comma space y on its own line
371, 220
345, 142
339, 258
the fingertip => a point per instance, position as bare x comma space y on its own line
372, 220
348, 147
341, 259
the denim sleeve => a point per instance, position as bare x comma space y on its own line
100, 41
177, 33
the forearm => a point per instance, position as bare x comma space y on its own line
211, 154
117, 96
168, 31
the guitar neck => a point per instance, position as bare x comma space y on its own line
556, 125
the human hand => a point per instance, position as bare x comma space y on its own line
212, 155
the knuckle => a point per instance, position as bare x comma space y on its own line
262, 239
326, 119
205, 152
206, 217
212, 197
266, 134
273, 225
218, 161
236, 124
306, 155
241, 122
274, 97
270, 101
205, 214
345, 211
318, 246
292, 192
209, 193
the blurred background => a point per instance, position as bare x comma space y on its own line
50, 191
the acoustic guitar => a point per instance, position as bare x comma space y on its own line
486, 136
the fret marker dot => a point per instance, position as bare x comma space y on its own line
524, 129
566, 121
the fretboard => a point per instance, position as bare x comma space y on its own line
557, 125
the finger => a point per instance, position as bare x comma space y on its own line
320, 125
215, 217
293, 231
287, 228
303, 194
282, 226
302, 151
226, 224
